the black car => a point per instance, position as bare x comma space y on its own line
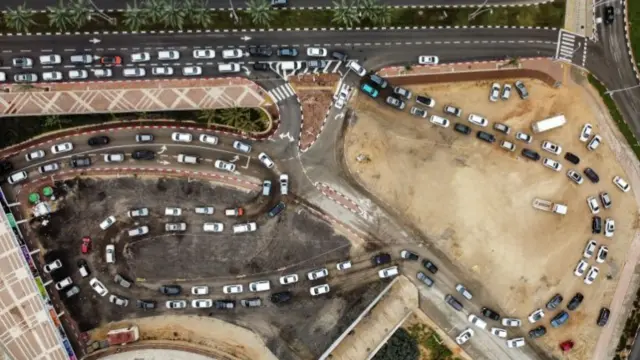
261, 66
430, 266
603, 318
287, 52
146, 304
224, 304
381, 259
482, 135
77, 162
409, 255
530, 154
453, 302
143, 155
98, 140
260, 51
575, 301
486, 312
540, 331
277, 209
609, 15
596, 225
339, 56
281, 297
555, 301
170, 289
572, 158
462, 128
592, 175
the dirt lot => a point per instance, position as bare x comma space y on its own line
473, 200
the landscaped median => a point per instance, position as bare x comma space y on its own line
148, 17
633, 9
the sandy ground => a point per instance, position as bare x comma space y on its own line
473, 200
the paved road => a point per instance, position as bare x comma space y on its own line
227, 4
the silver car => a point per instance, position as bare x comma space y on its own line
47, 168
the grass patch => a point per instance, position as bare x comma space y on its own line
634, 28
430, 340
19, 129
616, 116
549, 14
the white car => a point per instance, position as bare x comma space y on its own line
495, 92
205, 210
317, 274
140, 57
176, 304
319, 289
102, 72
344, 265
507, 145
591, 275
118, 300
54, 265
551, 147
162, 71
524, 137
288, 279
61, 148
284, 184
440, 121
339, 104
475, 320
78, 74
51, 59
208, 139
317, 52
621, 183
594, 143
506, 92
464, 336
175, 226
602, 254
38, 154
98, 287
110, 253
223, 165
106, 223
388, 272
478, 120
181, 137
501, 333
64, 283
168, 55
192, 70
580, 268
585, 133
47, 168
204, 54
428, 60
536, 316
118, 157
516, 343
510, 322
173, 211
242, 147
573, 175
232, 289
138, 212
52, 76
213, 227
232, 54
266, 160
589, 249
593, 205
201, 303
552, 164
609, 227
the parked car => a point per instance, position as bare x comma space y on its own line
515, 343
521, 89
490, 314
591, 175
540, 331
572, 158
575, 301
464, 336
603, 316
143, 155
381, 259
602, 254
585, 133
524, 137
560, 319
494, 94
430, 266
554, 302
536, 316
621, 184
409, 255
596, 225
464, 291
98, 140
171, 290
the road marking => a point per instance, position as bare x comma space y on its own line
282, 92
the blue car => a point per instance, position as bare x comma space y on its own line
369, 90
559, 319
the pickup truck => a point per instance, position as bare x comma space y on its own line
546, 205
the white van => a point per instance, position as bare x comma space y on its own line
243, 228
17, 177
357, 68
263, 285
168, 55
229, 68
187, 159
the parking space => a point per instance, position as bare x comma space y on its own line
474, 199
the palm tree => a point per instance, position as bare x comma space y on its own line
59, 16
382, 16
134, 17
368, 9
53, 121
208, 115
19, 19
260, 12
174, 15
199, 13
345, 14
236, 117
154, 10
80, 13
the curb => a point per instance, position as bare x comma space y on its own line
625, 6
326, 117
393, 68
322, 186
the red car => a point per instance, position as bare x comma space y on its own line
86, 244
111, 60
566, 346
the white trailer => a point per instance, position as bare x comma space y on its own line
548, 124
546, 205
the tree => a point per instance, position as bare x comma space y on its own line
80, 13
200, 14
59, 16
345, 14
53, 121
400, 346
368, 9
19, 19
135, 18
260, 12
154, 10
383, 15
208, 115
174, 15
236, 117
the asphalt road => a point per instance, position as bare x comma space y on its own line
228, 4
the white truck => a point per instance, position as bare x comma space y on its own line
546, 205
548, 124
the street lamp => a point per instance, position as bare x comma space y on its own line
233, 12
478, 10
101, 13
611, 92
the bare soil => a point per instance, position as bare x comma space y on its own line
316, 95
473, 200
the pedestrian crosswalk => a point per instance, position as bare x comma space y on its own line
566, 46
282, 92
289, 68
